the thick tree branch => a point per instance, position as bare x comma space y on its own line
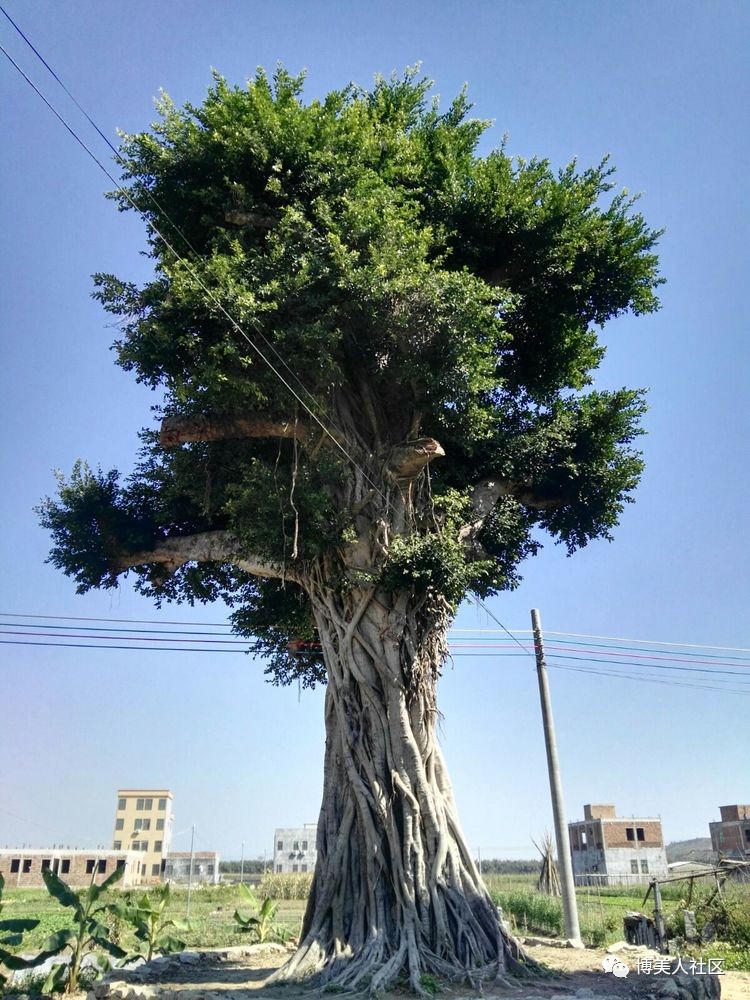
407, 460
252, 220
176, 430
485, 495
209, 546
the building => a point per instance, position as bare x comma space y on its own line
294, 848
609, 849
730, 837
205, 867
143, 823
22, 867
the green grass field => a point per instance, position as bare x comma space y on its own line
601, 912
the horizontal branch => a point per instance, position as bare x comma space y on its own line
407, 460
253, 220
209, 546
176, 430
485, 495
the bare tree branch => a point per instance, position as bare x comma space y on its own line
176, 430
407, 460
209, 546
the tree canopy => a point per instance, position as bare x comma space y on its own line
406, 288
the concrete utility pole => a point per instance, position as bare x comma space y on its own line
569, 901
190, 873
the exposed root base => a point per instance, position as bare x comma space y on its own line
369, 973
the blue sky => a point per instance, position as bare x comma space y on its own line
663, 88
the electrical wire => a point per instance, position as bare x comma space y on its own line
194, 274
150, 195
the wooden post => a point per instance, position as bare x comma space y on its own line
661, 930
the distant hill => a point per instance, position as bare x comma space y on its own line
697, 849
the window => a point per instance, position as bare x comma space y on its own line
90, 866
295, 868
304, 845
210, 869
155, 869
117, 846
303, 868
160, 824
147, 824
119, 824
629, 833
15, 864
157, 845
640, 833
143, 824
584, 845
139, 804
162, 804
279, 868
644, 867
279, 845
634, 867
295, 846
65, 866
120, 863
26, 865
139, 845
747, 834
120, 805
102, 866
149, 804
46, 864
138, 825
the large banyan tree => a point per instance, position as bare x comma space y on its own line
374, 350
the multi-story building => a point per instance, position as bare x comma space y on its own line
143, 823
730, 837
205, 867
294, 848
22, 867
609, 849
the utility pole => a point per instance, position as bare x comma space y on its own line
190, 873
242, 863
479, 859
569, 901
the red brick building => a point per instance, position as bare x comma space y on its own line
730, 838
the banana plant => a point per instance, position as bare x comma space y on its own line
261, 924
11, 935
152, 925
89, 934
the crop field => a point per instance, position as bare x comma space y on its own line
601, 912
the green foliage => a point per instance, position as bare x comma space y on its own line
403, 285
11, 936
88, 935
153, 926
261, 924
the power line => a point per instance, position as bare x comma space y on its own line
150, 195
653, 642
480, 603
194, 274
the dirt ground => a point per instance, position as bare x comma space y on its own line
241, 974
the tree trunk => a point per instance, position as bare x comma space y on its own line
395, 890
